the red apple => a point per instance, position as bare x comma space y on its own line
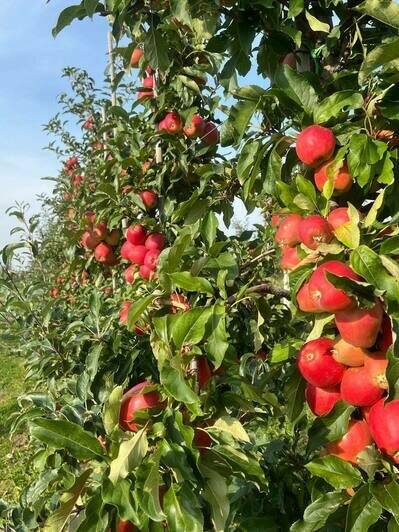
155, 241
324, 293
384, 427
173, 123
135, 400
126, 526
104, 254
137, 254
123, 315
204, 371
89, 240
201, 440
317, 365
287, 233
315, 144
376, 365
314, 230
305, 301
146, 273
358, 388
179, 302
338, 217
348, 354
289, 60
136, 234
356, 439
100, 230
149, 198
131, 274
210, 136
359, 326
145, 167
290, 258
385, 340
196, 128
127, 250
342, 180
151, 259
276, 219
321, 400
135, 57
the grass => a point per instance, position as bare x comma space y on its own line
14, 454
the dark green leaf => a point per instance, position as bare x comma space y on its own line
363, 511
337, 472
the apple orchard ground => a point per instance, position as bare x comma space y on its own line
14, 454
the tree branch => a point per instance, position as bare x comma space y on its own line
264, 288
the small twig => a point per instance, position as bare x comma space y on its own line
264, 288
257, 258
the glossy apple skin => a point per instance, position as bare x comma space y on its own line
329, 298
384, 427
376, 365
196, 128
130, 274
126, 250
151, 259
155, 241
358, 388
103, 253
314, 145
137, 254
321, 400
100, 230
137, 54
173, 123
314, 230
356, 439
348, 354
276, 219
204, 371
210, 136
136, 234
287, 233
290, 258
89, 240
342, 180
133, 401
126, 526
338, 217
385, 339
305, 301
146, 273
360, 327
149, 198
317, 365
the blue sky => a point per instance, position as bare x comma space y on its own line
32, 61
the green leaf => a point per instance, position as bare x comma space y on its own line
149, 480
349, 232
232, 426
390, 246
333, 104
387, 494
317, 513
91, 6
243, 464
217, 343
368, 264
385, 11
315, 24
155, 50
330, 427
119, 495
131, 453
337, 472
380, 55
296, 7
183, 509
216, 494
111, 409
209, 228
189, 327
57, 521
372, 214
363, 511
294, 392
192, 284
235, 127
181, 10
299, 89
61, 434
137, 309
67, 16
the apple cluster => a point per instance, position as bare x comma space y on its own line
352, 366
101, 240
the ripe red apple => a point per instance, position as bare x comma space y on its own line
315, 144
103, 253
342, 179
126, 250
179, 302
149, 198
54, 292
276, 219
151, 259
314, 230
77, 180
135, 57
131, 274
135, 400
204, 371
376, 365
338, 217
305, 301
136, 234
196, 128
89, 217
262, 354
67, 196
155, 241
173, 123
210, 136
356, 439
327, 297
89, 240
289, 60
321, 400
145, 94
359, 326
137, 254
287, 233
146, 273
317, 365
358, 388
148, 82
113, 237
126, 526
100, 230
348, 354
145, 167
384, 427
201, 440
290, 258
385, 340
